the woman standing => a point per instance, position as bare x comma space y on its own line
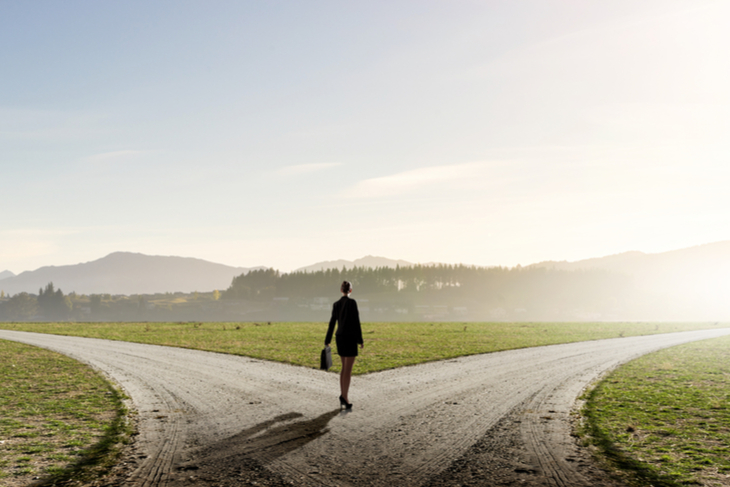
348, 336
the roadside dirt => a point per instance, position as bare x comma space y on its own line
495, 419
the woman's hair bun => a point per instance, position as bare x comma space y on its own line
346, 286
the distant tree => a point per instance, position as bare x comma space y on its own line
53, 304
256, 284
2, 294
142, 305
216, 295
95, 303
20, 307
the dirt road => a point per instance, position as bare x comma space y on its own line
494, 419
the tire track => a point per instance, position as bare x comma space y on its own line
214, 419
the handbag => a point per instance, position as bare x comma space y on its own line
325, 359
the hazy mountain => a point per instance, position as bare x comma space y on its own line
5, 275
714, 256
127, 273
690, 283
367, 261
686, 284
699, 274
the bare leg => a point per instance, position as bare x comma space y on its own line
345, 375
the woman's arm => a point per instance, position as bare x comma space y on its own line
331, 329
356, 322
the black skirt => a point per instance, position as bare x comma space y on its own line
345, 347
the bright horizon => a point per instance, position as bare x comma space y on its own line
284, 134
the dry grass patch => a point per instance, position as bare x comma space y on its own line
665, 417
59, 420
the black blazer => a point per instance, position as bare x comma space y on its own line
345, 312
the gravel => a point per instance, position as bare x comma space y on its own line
495, 419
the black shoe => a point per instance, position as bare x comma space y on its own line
344, 404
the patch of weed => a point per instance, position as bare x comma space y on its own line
49, 401
665, 417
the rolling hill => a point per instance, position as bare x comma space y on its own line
127, 273
698, 277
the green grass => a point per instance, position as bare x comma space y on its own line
387, 345
665, 417
59, 420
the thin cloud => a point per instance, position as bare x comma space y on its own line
305, 168
417, 179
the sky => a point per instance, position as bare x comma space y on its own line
283, 133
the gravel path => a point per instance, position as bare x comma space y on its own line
494, 419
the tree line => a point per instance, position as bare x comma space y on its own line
50, 303
413, 293
479, 288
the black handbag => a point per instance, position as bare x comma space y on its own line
325, 360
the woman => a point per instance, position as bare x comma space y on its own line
348, 336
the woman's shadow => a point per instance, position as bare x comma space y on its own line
248, 451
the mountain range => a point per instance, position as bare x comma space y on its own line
701, 272
697, 273
127, 273
133, 273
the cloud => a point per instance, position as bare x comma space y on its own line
660, 55
417, 179
305, 168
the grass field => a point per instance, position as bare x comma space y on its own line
665, 417
387, 345
59, 417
